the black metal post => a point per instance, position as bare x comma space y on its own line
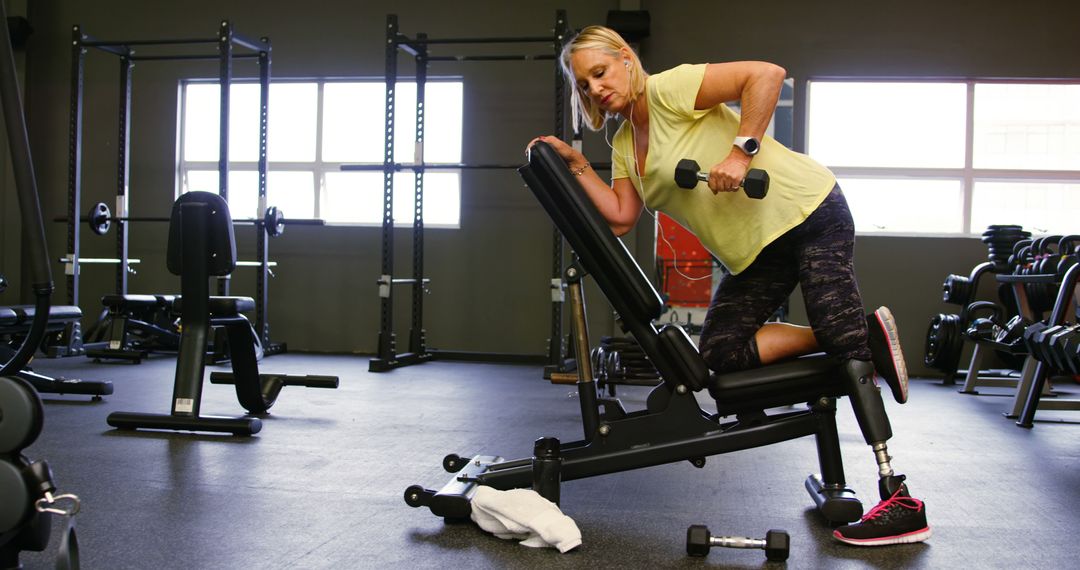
556, 352
75, 124
262, 277
386, 350
122, 173
225, 36
416, 332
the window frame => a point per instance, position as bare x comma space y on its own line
967, 175
318, 167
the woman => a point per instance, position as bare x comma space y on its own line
800, 234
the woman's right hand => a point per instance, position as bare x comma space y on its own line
565, 151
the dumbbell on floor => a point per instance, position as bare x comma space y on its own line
777, 543
688, 174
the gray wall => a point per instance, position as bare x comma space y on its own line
489, 290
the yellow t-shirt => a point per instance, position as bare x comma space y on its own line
734, 227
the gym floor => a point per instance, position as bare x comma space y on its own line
322, 485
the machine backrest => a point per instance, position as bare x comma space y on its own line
221, 242
603, 255
616, 272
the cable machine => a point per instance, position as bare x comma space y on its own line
387, 356
226, 40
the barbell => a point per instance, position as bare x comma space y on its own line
100, 219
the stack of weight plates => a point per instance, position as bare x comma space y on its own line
1000, 241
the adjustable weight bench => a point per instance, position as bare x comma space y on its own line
15, 324
672, 427
133, 327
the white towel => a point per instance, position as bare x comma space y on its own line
522, 514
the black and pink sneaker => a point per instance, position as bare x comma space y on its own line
886, 353
900, 519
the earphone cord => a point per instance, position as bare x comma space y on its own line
641, 187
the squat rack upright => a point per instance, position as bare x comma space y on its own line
226, 40
387, 356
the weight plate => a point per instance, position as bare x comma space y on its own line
20, 415
16, 505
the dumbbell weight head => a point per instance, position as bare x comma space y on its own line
777, 545
697, 540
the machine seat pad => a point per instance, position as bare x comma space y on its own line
222, 306
119, 302
7, 317
779, 382
57, 313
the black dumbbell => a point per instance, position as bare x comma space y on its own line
777, 543
688, 174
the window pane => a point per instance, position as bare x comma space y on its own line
887, 124
353, 122
243, 122
1027, 126
442, 122
243, 189
1038, 206
293, 192
442, 201
293, 117
353, 197
201, 180
202, 136
900, 205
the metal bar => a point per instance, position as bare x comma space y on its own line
256, 46
100, 260
225, 84
123, 163
196, 57
526, 57
1065, 176
510, 40
126, 43
422, 166
556, 353
75, 124
262, 302
416, 331
386, 348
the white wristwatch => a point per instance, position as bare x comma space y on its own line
749, 145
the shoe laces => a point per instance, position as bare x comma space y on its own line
887, 505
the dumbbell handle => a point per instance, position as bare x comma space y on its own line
736, 542
704, 177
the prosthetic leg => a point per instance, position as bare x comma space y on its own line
873, 421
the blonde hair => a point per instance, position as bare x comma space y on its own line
610, 42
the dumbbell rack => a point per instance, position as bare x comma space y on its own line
1030, 393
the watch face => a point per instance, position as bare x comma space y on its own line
751, 146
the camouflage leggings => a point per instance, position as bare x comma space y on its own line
816, 254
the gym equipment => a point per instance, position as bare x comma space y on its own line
672, 427
201, 245
15, 325
688, 174
387, 356
25, 488
231, 47
273, 222
776, 544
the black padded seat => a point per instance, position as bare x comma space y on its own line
57, 313
222, 306
800, 380
8, 317
118, 302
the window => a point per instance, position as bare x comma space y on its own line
950, 157
313, 128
